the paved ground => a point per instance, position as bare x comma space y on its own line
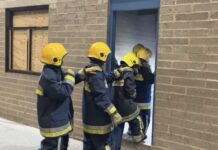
14, 136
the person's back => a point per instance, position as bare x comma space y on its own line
99, 114
93, 112
54, 103
144, 81
124, 93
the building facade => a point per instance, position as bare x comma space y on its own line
186, 103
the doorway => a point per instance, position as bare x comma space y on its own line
132, 23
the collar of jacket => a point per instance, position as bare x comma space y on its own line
126, 69
93, 68
52, 66
97, 62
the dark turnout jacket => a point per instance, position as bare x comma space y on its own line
96, 101
54, 104
144, 81
124, 93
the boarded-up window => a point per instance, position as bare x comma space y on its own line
27, 33
39, 39
20, 44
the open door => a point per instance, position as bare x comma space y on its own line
133, 22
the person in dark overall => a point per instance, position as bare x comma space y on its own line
54, 103
124, 93
144, 81
99, 114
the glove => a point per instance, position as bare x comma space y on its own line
70, 71
117, 73
115, 116
93, 70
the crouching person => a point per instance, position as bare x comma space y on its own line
124, 93
54, 103
99, 114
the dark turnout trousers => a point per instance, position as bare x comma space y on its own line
97, 142
56, 143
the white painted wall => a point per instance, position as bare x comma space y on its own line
131, 29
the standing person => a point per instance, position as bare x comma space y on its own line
124, 93
54, 103
144, 81
99, 114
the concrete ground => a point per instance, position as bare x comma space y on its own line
14, 136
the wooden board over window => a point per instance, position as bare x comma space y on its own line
27, 34
39, 40
20, 44
37, 18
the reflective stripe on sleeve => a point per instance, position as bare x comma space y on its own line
39, 91
111, 109
69, 79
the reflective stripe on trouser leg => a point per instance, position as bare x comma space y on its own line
146, 128
59, 143
140, 123
140, 137
107, 147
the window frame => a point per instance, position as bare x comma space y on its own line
9, 38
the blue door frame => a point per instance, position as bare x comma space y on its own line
129, 5
125, 5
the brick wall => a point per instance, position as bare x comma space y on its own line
17, 91
187, 76
77, 24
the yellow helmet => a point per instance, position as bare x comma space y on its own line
144, 54
130, 59
99, 51
53, 54
138, 47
